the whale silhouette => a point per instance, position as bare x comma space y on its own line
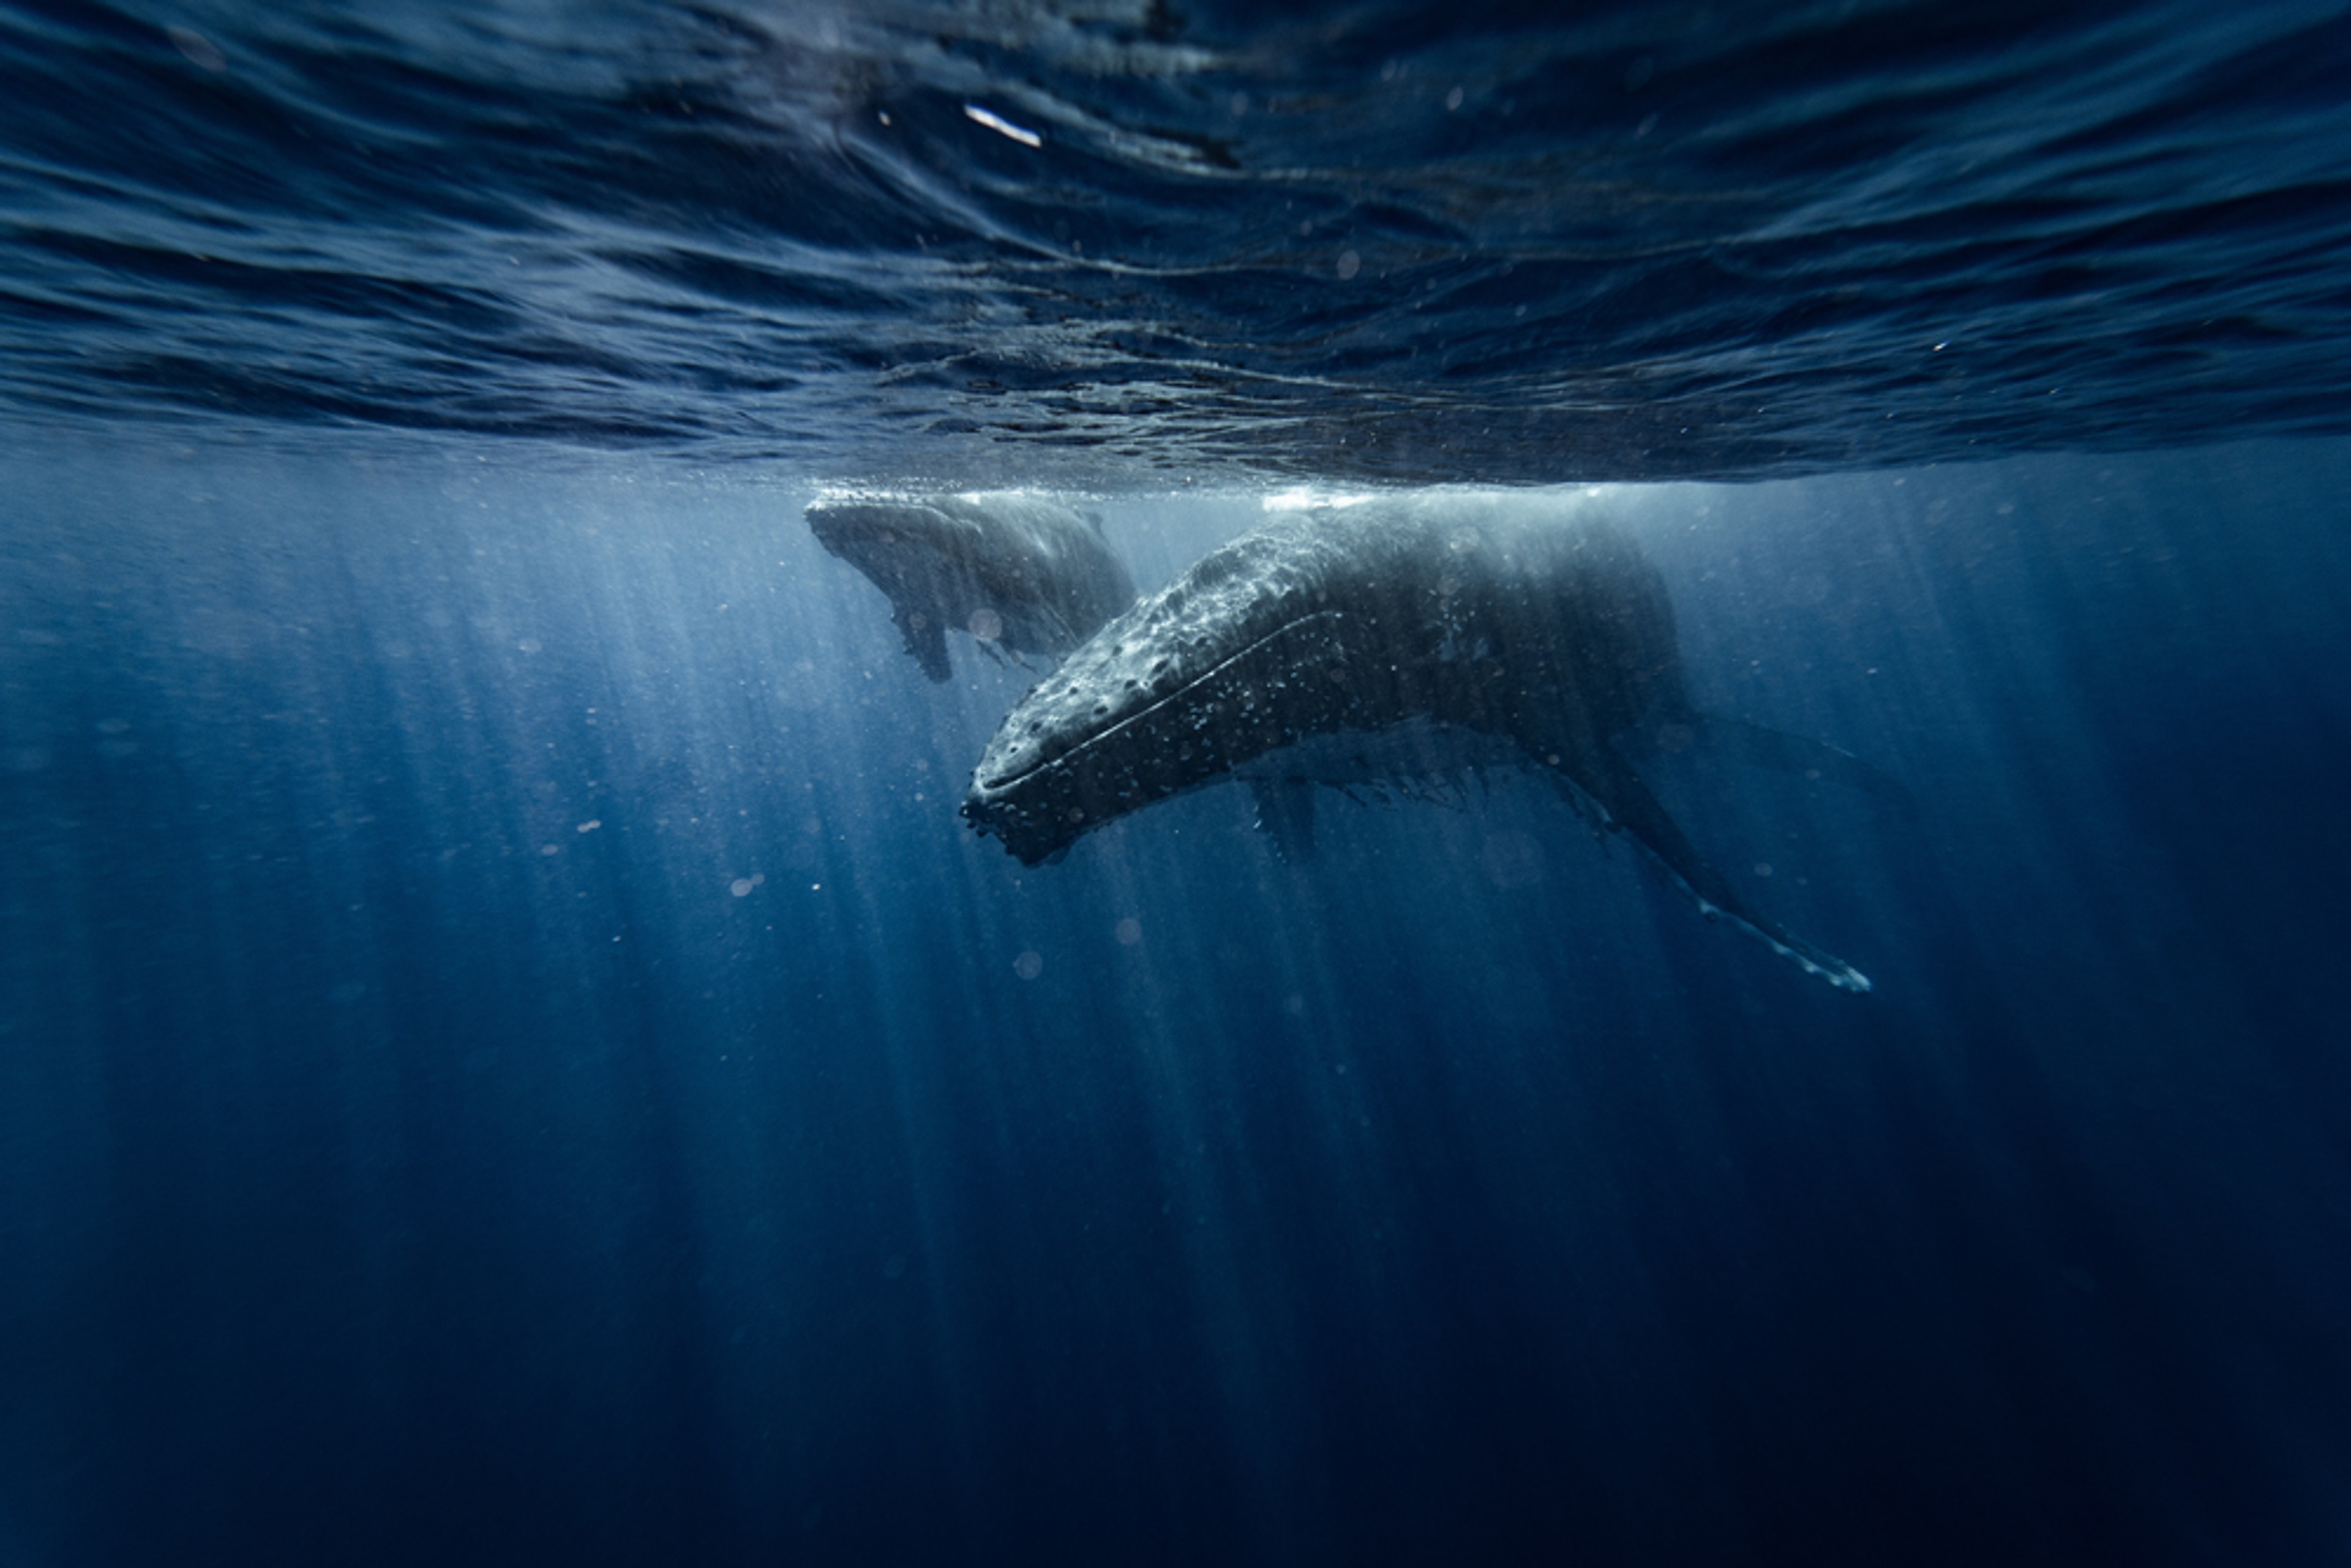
1020, 574
1394, 641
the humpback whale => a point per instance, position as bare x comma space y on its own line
1020, 573
1397, 640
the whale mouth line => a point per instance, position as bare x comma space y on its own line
1010, 782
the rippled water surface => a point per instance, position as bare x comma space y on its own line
992, 241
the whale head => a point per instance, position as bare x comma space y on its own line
1023, 573
898, 544
1262, 643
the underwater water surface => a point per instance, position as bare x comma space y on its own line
507, 1051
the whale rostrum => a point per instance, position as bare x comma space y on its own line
1395, 640
1020, 573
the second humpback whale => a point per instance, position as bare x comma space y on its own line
1020, 573
1397, 640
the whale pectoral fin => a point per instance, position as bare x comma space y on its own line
1784, 753
926, 639
1285, 812
1603, 776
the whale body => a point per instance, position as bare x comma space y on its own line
1020, 574
1395, 640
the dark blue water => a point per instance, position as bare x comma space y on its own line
506, 1053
